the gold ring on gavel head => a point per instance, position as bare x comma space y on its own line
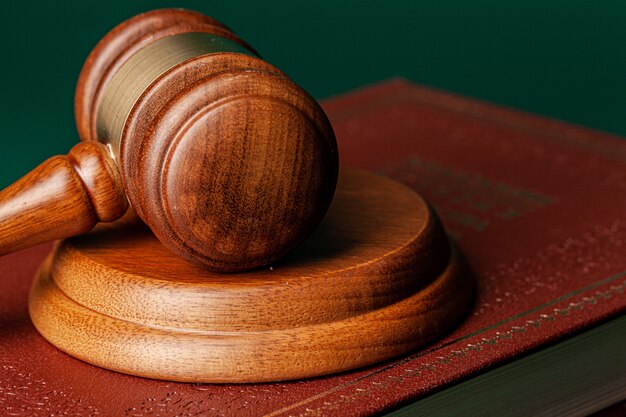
142, 69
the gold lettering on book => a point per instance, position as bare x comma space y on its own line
467, 199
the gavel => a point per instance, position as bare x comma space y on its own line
228, 161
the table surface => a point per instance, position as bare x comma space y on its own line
564, 59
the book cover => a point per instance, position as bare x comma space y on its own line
537, 206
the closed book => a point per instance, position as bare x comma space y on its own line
537, 206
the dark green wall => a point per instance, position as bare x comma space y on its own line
565, 59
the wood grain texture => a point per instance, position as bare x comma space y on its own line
234, 172
62, 197
229, 162
377, 279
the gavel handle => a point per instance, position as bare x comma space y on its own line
62, 197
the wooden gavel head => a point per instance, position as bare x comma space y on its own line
228, 161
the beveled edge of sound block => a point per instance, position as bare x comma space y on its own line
395, 286
251, 357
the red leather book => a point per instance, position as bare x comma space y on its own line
537, 206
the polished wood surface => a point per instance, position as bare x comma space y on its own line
238, 171
62, 197
228, 162
378, 278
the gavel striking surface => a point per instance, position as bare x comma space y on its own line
377, 279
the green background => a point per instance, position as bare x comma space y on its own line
564, 59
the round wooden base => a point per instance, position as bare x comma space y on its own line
376, 280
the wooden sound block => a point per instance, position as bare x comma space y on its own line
376, 280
